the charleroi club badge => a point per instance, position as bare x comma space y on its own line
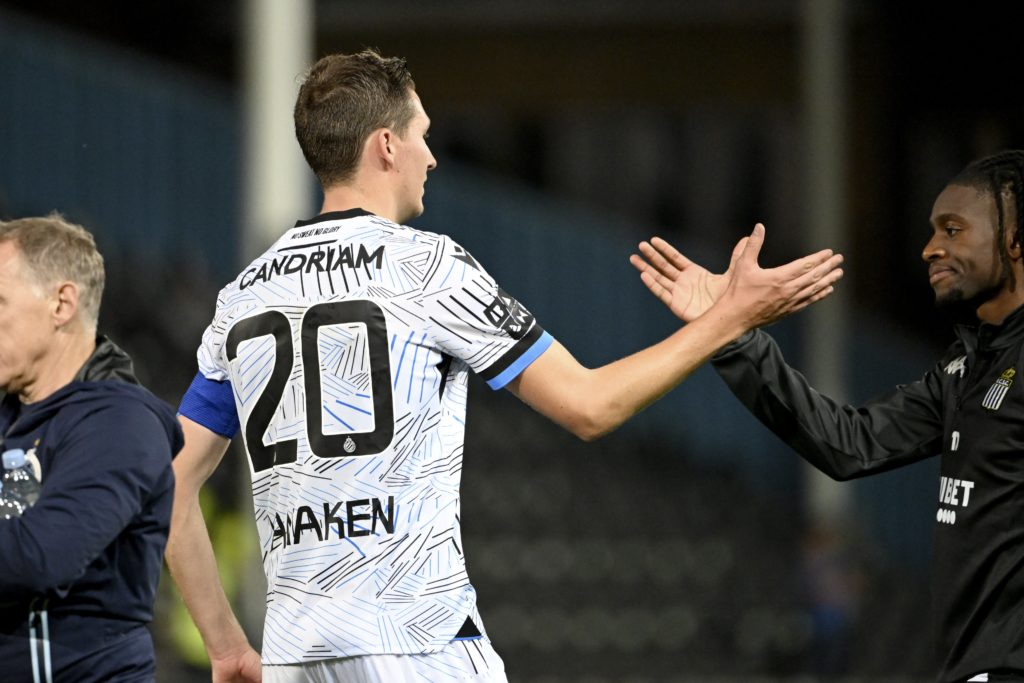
997, 392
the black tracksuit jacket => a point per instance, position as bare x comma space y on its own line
968, 409
79, 569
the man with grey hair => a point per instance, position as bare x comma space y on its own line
78, 568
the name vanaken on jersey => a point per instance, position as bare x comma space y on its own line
290, 529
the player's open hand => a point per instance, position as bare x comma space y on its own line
687, 288
758, 296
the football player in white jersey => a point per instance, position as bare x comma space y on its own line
342, 354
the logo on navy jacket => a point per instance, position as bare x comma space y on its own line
997, 392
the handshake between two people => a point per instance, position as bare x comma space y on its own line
751, 295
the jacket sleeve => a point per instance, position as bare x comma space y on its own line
891, 430
103, 472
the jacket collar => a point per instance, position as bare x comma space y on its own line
988, 337
107, 362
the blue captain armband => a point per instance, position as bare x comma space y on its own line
211, 404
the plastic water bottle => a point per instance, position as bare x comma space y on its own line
9, 508
19, 488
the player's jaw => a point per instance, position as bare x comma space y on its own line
413, 195
944, 280
954, 282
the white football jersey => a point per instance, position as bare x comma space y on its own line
347, 347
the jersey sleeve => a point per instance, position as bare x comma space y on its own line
209, 400
478, 322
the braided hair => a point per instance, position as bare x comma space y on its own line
1000, 174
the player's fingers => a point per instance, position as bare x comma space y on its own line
737, 251
752, 249
822, 274
639, 263
812, 289
646, 268
825, 293
671, 254
655, 287
657, 261
806, 265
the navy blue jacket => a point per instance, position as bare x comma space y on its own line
79, 570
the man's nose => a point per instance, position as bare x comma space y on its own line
932, 251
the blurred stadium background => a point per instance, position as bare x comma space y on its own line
691, 545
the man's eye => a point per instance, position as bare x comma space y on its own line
952, 230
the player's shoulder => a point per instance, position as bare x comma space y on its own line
410, 235
441, 245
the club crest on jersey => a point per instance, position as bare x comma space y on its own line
997, 392
958, 365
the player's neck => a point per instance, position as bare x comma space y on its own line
1005, 302
356, 196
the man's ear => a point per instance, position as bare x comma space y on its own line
382, 146
65, 303
1013, 246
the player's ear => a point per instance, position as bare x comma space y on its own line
381, 146
1013, 246
1012, 235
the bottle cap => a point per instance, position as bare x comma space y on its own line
14, 458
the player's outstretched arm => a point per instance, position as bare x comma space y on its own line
687, 288
193, 565
593, 402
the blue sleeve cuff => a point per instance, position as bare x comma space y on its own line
211, 404
522, 362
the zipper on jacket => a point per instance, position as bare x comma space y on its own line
39, 642
965, 382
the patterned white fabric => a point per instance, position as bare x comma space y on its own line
471, 661
348, 346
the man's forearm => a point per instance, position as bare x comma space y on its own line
591, 403
193, 566
628, 386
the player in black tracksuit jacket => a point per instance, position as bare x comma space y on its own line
79, 570
968, 409
958, 409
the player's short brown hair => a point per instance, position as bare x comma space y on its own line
342, 100
56, 250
